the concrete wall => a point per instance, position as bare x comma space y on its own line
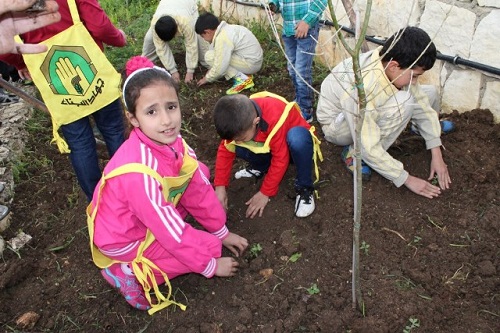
467, 28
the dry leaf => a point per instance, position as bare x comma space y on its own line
266, 272
28, 320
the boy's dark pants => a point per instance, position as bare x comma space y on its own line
300, 145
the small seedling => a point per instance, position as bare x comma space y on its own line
255, 250
435, 181
413, 323
294, 257
415, 241
313, 289
365, 247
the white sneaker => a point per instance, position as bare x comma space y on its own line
304, 203
247, 173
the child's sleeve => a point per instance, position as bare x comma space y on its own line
223, 51
202, 203
280, 157
164, 52
194, 248
316, 8
223, 165
426, 118
190, 41
374, 154
99, 25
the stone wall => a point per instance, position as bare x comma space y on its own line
469, 29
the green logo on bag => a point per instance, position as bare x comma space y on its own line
68, 70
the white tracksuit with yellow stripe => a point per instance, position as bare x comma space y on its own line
388, 112
185, 14
234, 49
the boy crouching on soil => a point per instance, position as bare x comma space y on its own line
265, 130
390, 74
234, 53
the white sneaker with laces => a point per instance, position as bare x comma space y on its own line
247, 173
304, 204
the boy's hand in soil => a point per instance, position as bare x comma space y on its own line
235, 243
422, 187
189, 77
440, 169
226, 266
176, 76
256, 204
201, 81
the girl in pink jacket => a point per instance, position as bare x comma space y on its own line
136, 219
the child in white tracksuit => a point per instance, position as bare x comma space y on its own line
172, 19
394, 98
234, 53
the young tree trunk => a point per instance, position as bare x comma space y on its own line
357, 299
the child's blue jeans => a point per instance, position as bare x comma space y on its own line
81, 141
300, 145
300, 53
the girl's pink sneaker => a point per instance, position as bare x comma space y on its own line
128, 286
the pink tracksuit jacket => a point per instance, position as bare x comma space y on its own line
133, 203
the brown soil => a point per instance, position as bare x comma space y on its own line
436, 260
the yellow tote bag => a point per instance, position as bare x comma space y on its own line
74, 76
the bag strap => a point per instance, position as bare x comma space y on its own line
73, 9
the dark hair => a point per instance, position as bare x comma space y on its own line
233, 115
166, 28
141, 80
206, 21
410, 46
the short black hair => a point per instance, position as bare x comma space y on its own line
166, 28
233, 115
206, 21
410, 46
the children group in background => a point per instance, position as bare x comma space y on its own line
139, 234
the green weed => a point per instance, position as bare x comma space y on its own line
412, 324
19, 170
294, 257
313, 289
255, 250
365, 247
415, 241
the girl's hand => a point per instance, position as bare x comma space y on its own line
226, 267
236, 244
221, 193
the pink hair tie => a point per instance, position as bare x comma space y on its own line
137, 62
